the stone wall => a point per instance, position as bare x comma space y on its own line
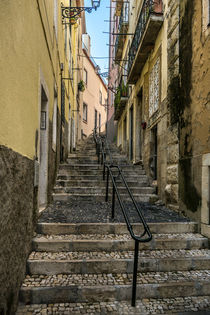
18, 204
171, 188
194, 133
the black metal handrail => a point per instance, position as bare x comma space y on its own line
102, 150
146, 235
146, 228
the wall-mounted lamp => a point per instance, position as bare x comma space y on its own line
72, 13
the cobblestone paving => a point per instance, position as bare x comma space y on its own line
119, 255
115, 279
125, 237
90, 212
143, 307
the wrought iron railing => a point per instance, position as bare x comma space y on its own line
146, 235
149, 7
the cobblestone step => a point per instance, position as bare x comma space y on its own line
132, 178
124, 167
80, 167
114, 279
49, 263
143, 307
93, 288
65, 197
114, 228
99, 183
98, 172
101, 190
113, 242
93, 160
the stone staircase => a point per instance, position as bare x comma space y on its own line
82, 260
81, 178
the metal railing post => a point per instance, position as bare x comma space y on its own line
104, 171
135, 268
107, 185
98, 152
113, 199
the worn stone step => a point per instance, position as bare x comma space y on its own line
114, 242
76, 176
114, 228
94, 160
80, 166
98, 287
99, 183
49, 263
198, 304
65, 197
102, 190
93, 169
124, 167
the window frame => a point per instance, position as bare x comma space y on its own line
85, 76
85, 120
152, 79
100, 97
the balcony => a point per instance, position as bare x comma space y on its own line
120, 101
147, 29
119, 5
122, 29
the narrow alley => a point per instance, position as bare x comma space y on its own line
81, 260
104, 157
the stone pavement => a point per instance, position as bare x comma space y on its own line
87, 212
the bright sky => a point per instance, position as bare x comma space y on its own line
95, 28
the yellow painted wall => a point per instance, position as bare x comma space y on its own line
26, 55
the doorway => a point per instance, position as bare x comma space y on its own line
153, 153
125, 135
131, 134
138, 148
43, 152
95, 120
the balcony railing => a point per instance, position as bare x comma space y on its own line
122, 29
119, 5
148, 26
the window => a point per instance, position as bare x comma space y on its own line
85, 109
206, 16
100, 97
54, 132
95, 119
70, 60
154, 88
56, 17
63, 94
85, 76
99, 122
65, 43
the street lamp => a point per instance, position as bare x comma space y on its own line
95, 4
73, 13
